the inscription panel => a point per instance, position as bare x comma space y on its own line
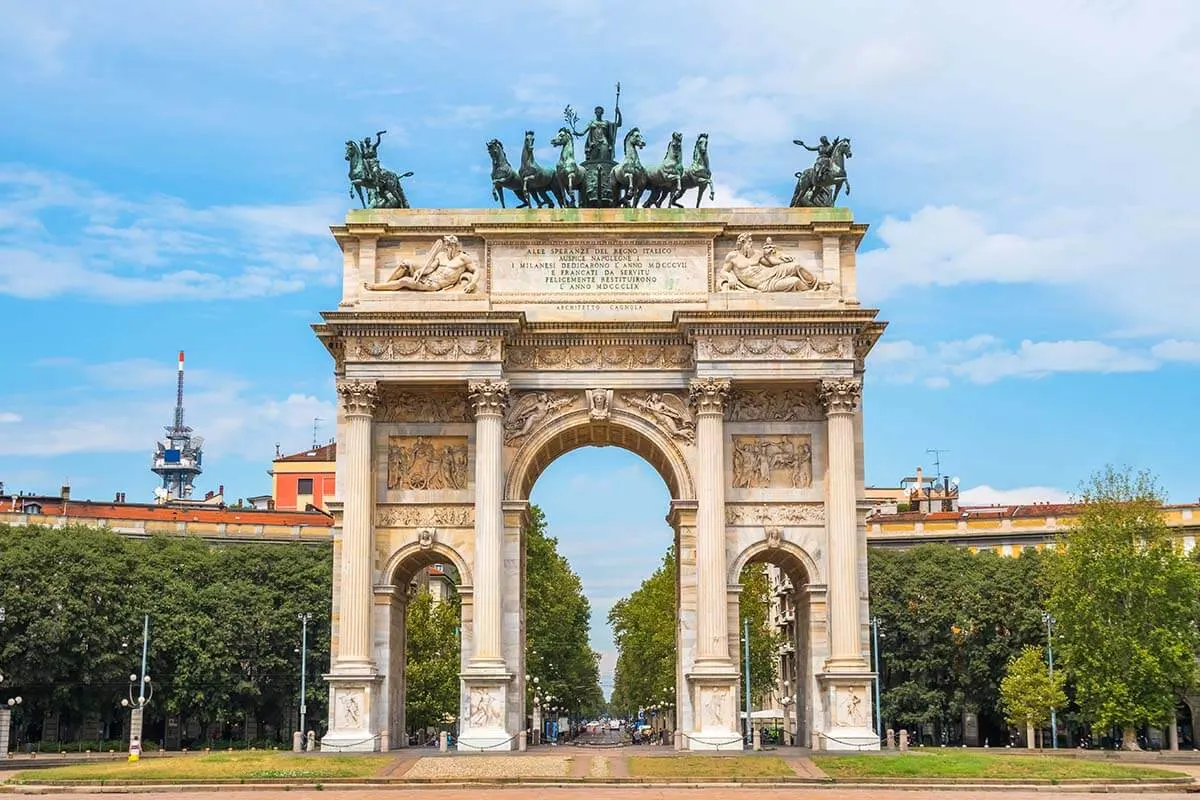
651, 270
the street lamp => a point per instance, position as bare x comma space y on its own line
6, 716
1048, 618
304, 618
143, 699
878, 684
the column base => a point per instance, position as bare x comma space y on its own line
482, 727
713, 687
846, 723
354, 708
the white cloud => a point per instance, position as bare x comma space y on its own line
60, 236
1024, 495
1175, 350
9, 417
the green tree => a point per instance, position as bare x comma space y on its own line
1028, 692
643, 627
755, 605
432, 661
1126, 603
557, 621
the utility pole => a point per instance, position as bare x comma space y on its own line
1049, 619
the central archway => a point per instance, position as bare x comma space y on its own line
578, 429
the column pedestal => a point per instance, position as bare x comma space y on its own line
354, 711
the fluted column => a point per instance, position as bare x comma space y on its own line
489, 399
354, 631
708, 397
840, 398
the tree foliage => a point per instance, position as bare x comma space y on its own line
1027, 691
224, 633
431, 660
1126, 603
755, 602
557, 620
950, 621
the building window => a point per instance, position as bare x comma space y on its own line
304, 486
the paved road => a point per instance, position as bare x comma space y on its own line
633, 793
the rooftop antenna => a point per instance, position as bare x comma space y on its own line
937, 460
179, 395
316, 420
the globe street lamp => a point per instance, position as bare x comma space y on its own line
145, 692
6, 716
1048, 618
304, 618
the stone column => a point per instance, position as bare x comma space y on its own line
708, 396
840, 398
354, 632
490, 399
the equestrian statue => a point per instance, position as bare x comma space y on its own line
819, 185
382, 186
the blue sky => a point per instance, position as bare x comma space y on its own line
168, 172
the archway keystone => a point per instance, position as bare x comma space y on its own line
610, 327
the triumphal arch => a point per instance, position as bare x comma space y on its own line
724, 346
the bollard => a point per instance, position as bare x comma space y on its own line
523, 741
443, 742
678, 740
756, 739
312, 741
297, 741
891, 739
903, 740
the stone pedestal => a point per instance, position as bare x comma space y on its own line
5, 731
354, 706
135, 728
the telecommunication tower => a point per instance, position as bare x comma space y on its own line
177, 457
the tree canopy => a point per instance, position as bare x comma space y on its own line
1027, 692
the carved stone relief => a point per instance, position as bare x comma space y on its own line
427, 462
751, 268
775, 405
349, 709
666, 410
447, 268
423, 348
410, 516
599, 357
714, 711
483, 709
529, 409
783, 461
599, 403
792, 514
852, 710
430, 406
425, 538
804, 348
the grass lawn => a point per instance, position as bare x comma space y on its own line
708, 767
959, 764
240, 765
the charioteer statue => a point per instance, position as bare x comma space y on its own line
820, 184
599, 145
376, 187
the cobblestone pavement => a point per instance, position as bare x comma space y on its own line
475, 767
630, 793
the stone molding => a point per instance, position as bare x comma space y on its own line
435, 405
598, 356
489, 397
841, 395
358, 397
793, 348
423, 348
708, 395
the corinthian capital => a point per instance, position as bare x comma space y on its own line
358, 397
708, 395
841, 395
488, 396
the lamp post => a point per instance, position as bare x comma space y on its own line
1048, 618
786, 700
143, 699
304, 617
6, 720
878, 684
746, 659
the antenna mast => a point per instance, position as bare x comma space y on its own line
315, 421
179, 395
937, 460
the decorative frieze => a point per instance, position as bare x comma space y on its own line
358, 397
785, 514
775, 405
761, 462
423, 348
411, 516
427, 462
580, 357
423, 406
666, 410
764, 348
530, 409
